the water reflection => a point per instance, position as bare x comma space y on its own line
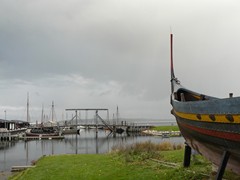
6, 145
88, 142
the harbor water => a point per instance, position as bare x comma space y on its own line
87, 142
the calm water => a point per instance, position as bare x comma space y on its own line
23, 153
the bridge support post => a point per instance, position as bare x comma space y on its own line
96, 123
114, 130
76, 118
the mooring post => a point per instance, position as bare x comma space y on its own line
223, 165
187, 155
114, 131
76, 139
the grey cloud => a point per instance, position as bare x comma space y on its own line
72, 51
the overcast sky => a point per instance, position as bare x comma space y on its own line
104, 53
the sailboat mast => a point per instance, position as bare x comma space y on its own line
42, 114
27, 107
117, 114
52, 110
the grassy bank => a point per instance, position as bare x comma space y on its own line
165, 128
139, 161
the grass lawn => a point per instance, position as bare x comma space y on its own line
90, 167
140, 161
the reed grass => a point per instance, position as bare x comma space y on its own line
144, 150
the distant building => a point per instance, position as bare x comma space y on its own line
13, 124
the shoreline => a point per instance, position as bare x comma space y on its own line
5, 174
162, 133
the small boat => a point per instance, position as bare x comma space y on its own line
70, 130
119, 130
210, 125
81, 127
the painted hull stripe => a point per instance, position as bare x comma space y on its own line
218, 134
219, 118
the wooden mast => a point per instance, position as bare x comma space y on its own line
52, 109
42, 114
171, 56
171, 62
27, 107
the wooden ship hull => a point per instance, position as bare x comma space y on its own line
210, 125
42, 132
29, 134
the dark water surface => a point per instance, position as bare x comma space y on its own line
24, 152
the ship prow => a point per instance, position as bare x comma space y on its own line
210, 125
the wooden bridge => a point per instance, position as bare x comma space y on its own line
100, 123
127, 128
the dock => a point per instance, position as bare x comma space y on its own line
20, 168
164, 134
26, 138
19, 134
10, 135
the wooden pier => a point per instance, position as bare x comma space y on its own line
20, 168
26, 138
19, 134
10, 135
138, 128
163, 133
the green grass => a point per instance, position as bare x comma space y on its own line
88, 167
138, 161
166, 128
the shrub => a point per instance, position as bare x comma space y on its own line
144, 150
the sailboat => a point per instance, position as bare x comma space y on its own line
52, 121
210, 125
44, 129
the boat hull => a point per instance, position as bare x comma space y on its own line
70, 131
42, 132
211, 128
209, 125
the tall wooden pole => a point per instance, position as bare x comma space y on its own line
27, 107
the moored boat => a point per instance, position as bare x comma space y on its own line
210, 125
70, 130
42, 131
